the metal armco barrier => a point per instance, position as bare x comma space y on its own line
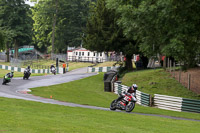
142, 98
18, 69
176, 103
100, 69
191, 105
168, 102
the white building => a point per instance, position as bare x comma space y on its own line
30, 3
84, 55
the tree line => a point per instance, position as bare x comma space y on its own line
51, 25
146, 27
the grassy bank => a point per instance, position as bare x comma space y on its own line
90, 91
158, 81
109, 64
30, 117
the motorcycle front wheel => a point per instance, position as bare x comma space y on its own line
113, 105
130, 106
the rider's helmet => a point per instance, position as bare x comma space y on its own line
134, 86
12, 71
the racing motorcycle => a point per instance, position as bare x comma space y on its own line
126, 103
53, 70
26, 74
6, 80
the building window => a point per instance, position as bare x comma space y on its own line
82, 53
94, 53
100, 54
88, 53
76, 53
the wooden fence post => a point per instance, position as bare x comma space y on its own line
170, 66
189, 79
168, 63
174, 68
179, 76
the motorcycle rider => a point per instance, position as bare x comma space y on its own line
52, 66
8, 77
10, 74
131, 90
27, 71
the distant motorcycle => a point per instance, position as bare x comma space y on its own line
27, 74
53, 70
127, 103
6, 80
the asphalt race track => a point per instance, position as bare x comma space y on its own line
18, 89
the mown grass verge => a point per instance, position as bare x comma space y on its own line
90, 91
32, 117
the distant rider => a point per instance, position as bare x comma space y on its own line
52, 66
28, 69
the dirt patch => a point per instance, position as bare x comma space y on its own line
190, 79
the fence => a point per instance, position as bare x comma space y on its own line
100, 69
93, 59
189, 78
2, 56
142, 98
85, 59
62, 57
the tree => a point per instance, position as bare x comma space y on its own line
15, 16
2, 38
70, 20
167, 27
104, 34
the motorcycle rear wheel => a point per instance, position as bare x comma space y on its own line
113, 105
130, 106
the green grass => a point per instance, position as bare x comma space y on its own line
72, 65
158, 81
76, 65
90, 91
19, 116
109, 64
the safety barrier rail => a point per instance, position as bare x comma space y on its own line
100, 69
168, 102
142, 98
18, 69
176, 103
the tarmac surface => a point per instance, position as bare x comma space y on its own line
18, 89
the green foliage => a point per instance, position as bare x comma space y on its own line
2, 38
104, 34
167, 27
16, 21
70, 20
